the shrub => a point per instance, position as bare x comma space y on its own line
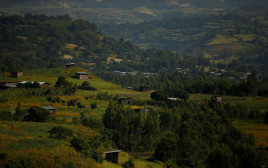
3, 99
92, 123
129, 164
80, 105
60, 132
5, 115
37, 114
3, 156
68, 165
266, 117
97, 156
86, 83
93, 105
79, 144
72, 102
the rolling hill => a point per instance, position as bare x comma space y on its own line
240, 35
121, 11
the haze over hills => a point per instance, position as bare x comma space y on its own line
222, 31
122, 11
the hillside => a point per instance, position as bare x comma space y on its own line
22, 140
195, 129
240, 35
32, 41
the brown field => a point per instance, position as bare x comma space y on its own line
259, 130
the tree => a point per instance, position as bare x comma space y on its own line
37, 114
67, 86
60, 132
222, 157
93, 105
266, 117
129, 164
167, 149
86, 83
79, 144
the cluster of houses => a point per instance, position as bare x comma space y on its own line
78, 75
122, 73
6, 85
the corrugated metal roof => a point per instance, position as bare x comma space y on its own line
70, 64
40, 83
116, 151
48, 107
82, 73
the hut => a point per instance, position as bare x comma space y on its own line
70, 65
16, 74
218, 98
113, 156
81, 75
126, 101
144, 89
52, 110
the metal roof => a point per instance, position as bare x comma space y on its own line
70, 64
40, 83
82, 73
116, 151
48, 107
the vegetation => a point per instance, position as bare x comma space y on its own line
37, 114
205, 104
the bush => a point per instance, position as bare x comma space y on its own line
3, 99
266, 117
72, 102
79, 144
37, 114
5, 115
86, 83
60, 132
129, 164
92, 123
68, 165
104, 96
80, 105
3, 156
93, 105
97, 156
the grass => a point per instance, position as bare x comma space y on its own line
139, 163
221, 39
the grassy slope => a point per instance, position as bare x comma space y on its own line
28, 139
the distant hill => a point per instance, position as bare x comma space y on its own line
122, 11
240, 35
33, 41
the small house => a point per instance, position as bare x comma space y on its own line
126, 101
113, 156
44, 85
219, 98
52, 110
16, 74
70, 65
144, 89
6, 85
81, 75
